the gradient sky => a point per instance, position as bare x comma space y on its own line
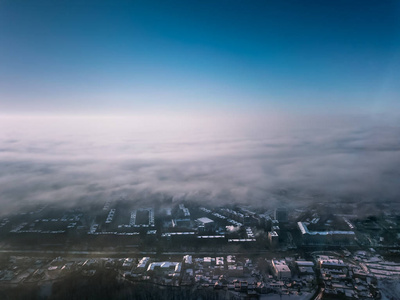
100, 57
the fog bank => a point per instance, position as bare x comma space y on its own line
220, 159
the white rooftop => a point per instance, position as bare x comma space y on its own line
205, 220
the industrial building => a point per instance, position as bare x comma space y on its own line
332, 237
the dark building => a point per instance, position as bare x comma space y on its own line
281, 215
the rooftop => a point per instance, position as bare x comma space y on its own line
304, 230
205, 220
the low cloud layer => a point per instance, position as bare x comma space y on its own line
221, 160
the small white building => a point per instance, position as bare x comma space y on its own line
143, 263
205, 223
188, 260
219, 261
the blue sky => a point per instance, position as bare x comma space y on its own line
129, 56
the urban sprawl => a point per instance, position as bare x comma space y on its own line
340, 250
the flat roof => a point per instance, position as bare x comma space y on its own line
205, 220
304, 230
304, 263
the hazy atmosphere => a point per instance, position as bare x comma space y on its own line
201, 158
199, 149
215, 100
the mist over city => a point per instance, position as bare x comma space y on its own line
234, 159
199, 149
